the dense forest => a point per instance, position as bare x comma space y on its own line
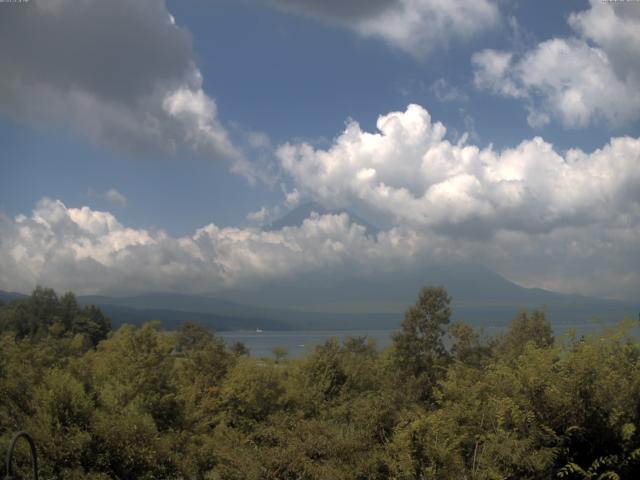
443, 401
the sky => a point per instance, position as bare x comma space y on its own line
144, 144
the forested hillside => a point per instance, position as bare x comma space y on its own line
143, 403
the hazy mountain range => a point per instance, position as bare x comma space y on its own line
316, 301
481, 297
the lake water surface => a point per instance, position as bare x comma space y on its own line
300, 342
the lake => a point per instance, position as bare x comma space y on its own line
300, 342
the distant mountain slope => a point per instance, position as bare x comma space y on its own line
173, 319
296, 217
324, 301
7, 297
175, 301
479, 295
225, 315
157, 306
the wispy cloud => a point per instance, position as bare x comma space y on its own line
116, 198
112, 195
417, 27
445, 92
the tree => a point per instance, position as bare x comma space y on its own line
61, 423
467, 345
280, 353
192, 337
93, 323
419, 348
239, 349
323, 372
250, 393
526, 327
44, 314
359, 346
34, 315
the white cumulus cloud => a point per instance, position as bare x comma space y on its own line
90, 251
584, 80
567, 221
409, 172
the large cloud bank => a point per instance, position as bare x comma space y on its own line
88, 251
583, 80
565, 221
409, 172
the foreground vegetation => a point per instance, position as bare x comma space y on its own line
142, 403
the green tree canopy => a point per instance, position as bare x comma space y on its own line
419, 347
44, 313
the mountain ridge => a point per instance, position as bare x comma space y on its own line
480, 296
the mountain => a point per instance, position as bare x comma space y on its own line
6, 297
172, 319
480, 296
175, 302
323, 301
172, 308
296, 217
315, 301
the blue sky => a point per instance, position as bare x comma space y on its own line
257, 75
